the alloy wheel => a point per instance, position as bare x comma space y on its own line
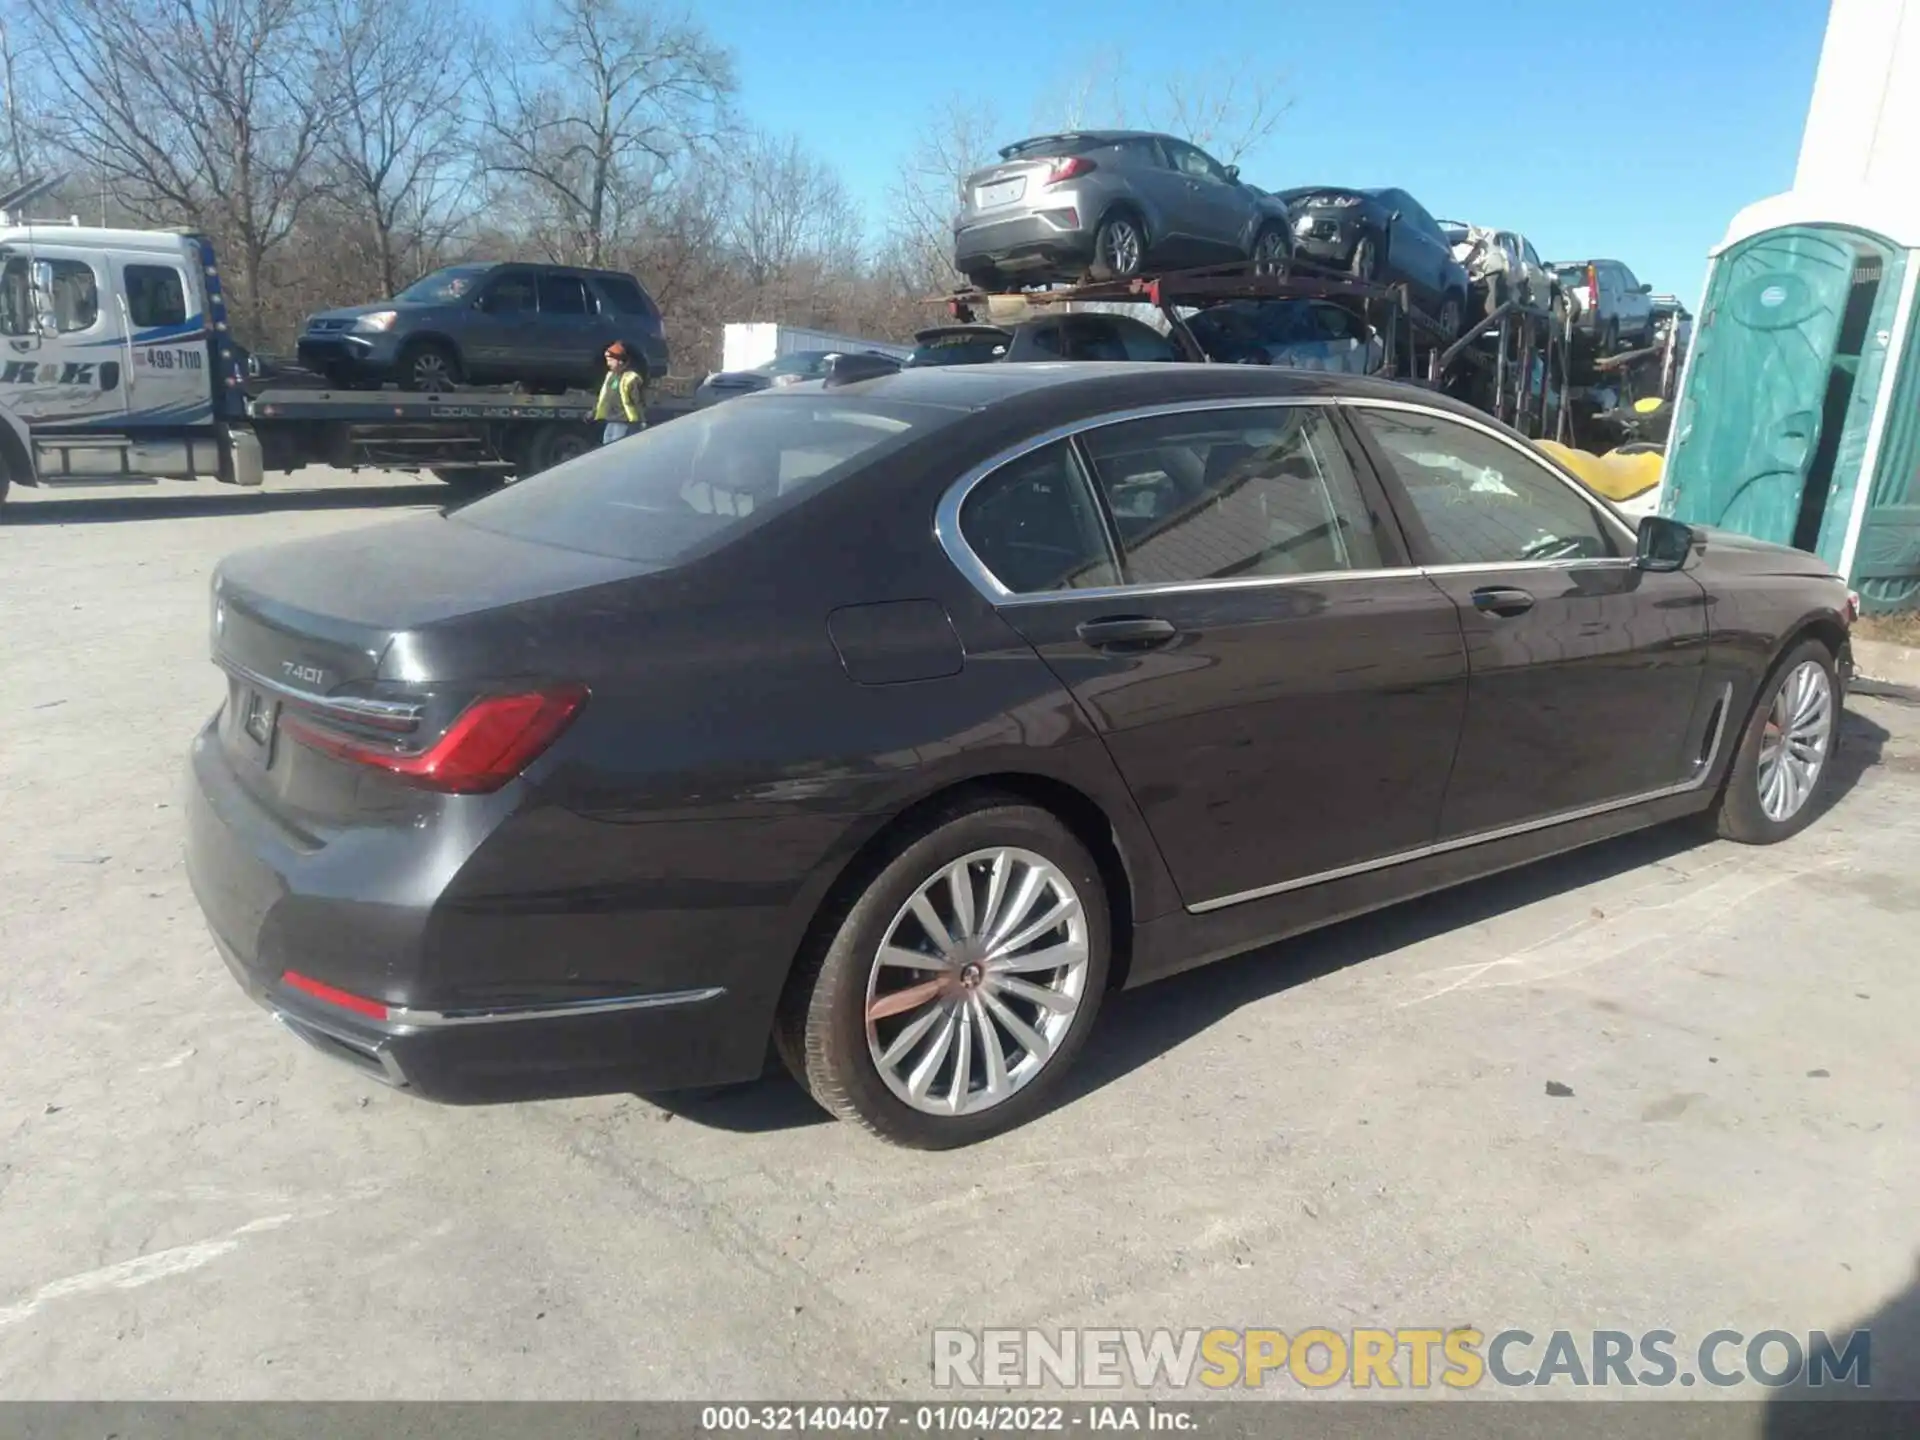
1270, 253
431, 371
1794, 742
977, 981
1122, 247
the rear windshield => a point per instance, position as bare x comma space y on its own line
1571, 274
683, 488
965, 347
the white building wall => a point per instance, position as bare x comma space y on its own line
1863, 127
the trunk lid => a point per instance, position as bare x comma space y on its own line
1001, 187
337, 630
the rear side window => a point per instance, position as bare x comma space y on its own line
1034, 525
680, 490
564, 295
155, 296
1232, 494
624, 294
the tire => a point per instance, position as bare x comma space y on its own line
1119, 247
1451, 310
429, 365
557, 444
1272, 251
1364, 263
1610, 339
1803, 681
824, 1033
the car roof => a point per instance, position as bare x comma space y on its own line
1083, 135
1086, 384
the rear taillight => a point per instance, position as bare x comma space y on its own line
320, 990
492, 741
1853, 606
1593, 286
1069, 167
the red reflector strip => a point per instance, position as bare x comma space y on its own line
320, 990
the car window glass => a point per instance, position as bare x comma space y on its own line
16, 298
1232, 494
155, 295
1034, 525
675, 492
1141, 152
1142, 343
1190, 161
1480, 500
76, 296
564, 295
1047, 340
1092, 337
509, 295
1333, 323
624, 294
1532, 255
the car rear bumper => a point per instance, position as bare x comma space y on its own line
448, 997
1025, 240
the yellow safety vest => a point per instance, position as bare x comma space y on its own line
622, 392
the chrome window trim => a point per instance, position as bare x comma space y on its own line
1702, 769
946, 519
1622, 531
946, 522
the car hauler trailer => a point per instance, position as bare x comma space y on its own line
117, 368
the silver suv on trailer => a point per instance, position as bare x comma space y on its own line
1116, 202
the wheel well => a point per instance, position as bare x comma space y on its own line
1072, 807
431, 339
1829, 632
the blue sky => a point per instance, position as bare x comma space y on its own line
1631, 129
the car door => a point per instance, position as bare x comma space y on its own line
1586, 670
66, 350
570, 344
167, 381
1342, 341
1225, 593
1636, 306
500, 328
1217, 206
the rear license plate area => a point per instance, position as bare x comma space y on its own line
1001, 192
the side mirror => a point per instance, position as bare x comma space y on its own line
1664, 544
1233, 173
45, 312
1643, 290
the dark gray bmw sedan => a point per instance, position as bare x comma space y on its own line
896, 722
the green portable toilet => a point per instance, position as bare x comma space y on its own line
1798, 418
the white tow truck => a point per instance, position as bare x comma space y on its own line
116, 367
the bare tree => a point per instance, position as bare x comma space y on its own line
399, 145
789, 207
21, 142
610, 105
959, 136
1228, 110
203, 111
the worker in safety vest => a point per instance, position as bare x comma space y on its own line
623, 396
